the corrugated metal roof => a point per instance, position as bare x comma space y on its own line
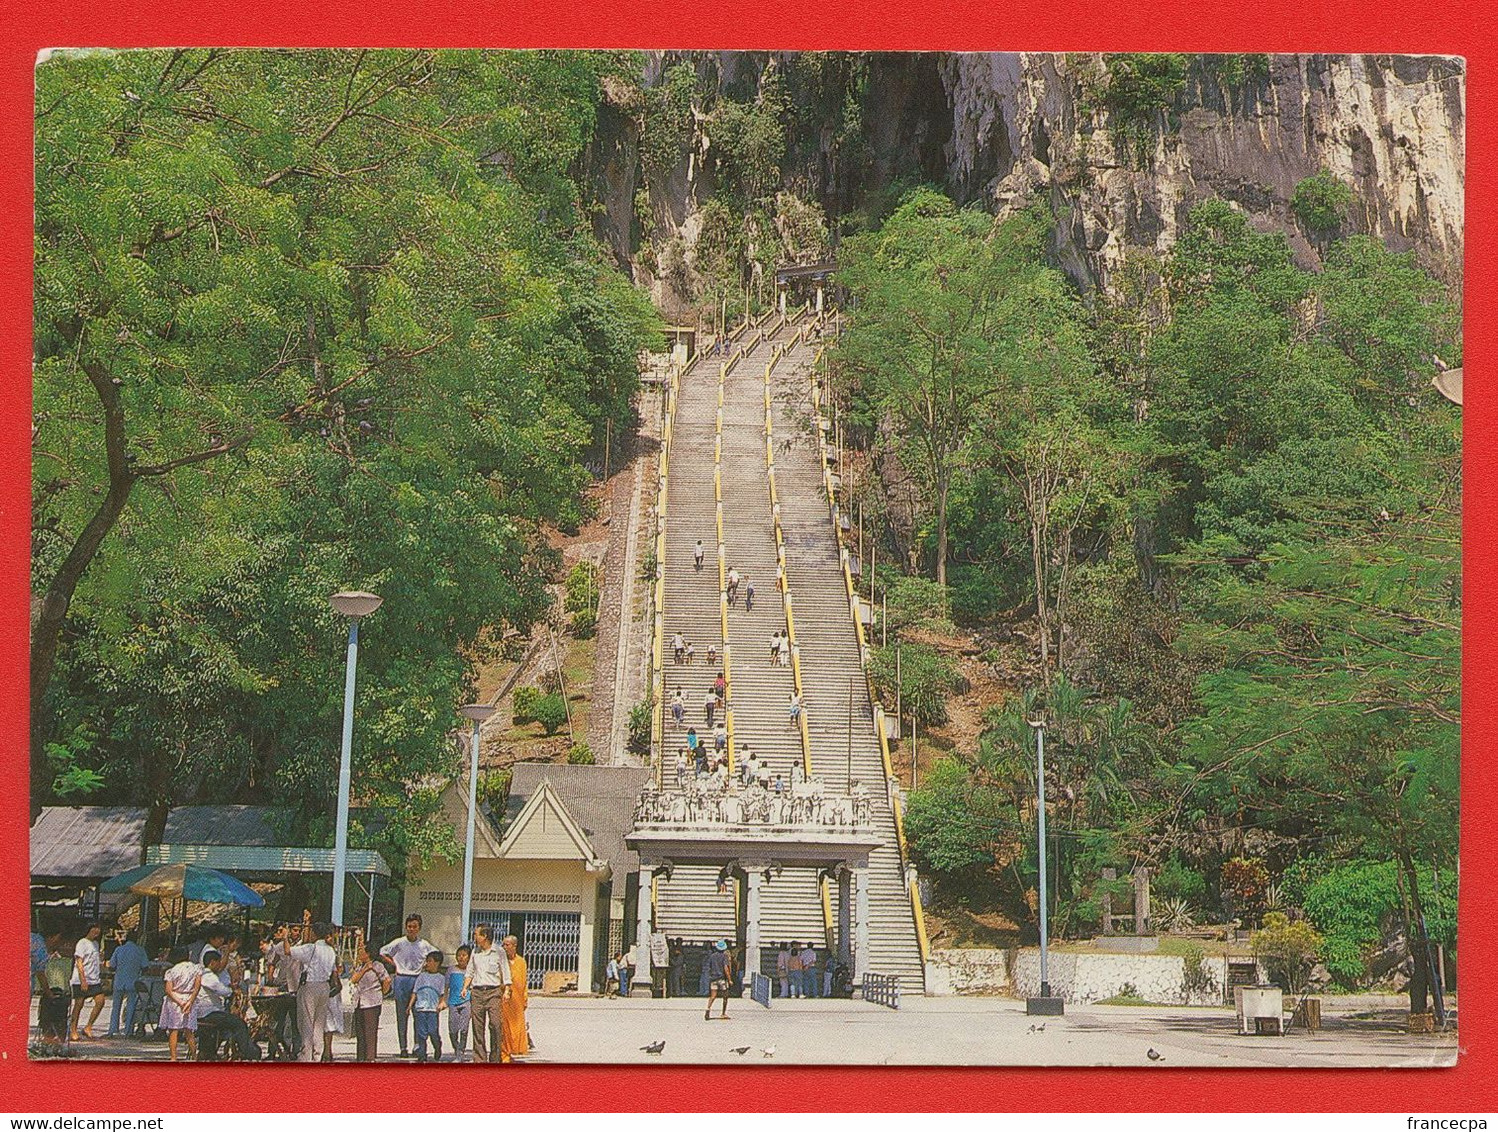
86, 842
264, 858
226, 825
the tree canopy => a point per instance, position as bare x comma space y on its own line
305, 321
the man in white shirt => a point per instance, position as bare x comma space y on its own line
408, 952
488, 987
317, 960
215, 1020
88, 979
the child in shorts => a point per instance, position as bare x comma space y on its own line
428, 1000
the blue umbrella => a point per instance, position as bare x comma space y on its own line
187, 882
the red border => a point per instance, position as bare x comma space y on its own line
1206, 25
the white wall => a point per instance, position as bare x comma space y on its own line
436, 894
1078, 977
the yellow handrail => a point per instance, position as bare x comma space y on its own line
917, 912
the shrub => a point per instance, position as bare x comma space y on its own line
1245, 881
550, 712
494, 786
917, 601
1321, 202
584, 624
975, 596
1287, 950
926, 676
1179, 881
525, 704
1174, 914
1197, 982
582, 588
1354, 904
580, 755
640, 719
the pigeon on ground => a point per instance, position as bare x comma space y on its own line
769, 1051
655, 1047
1036, 1029
1152, 1055
740, 1050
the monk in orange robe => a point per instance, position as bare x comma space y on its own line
514, 1038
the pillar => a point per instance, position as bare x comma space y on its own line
754, 876
782, 302
819, 298
845, 915
860, 924
1141, 900
640, 986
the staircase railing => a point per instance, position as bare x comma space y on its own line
891, 791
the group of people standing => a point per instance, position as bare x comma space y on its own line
302, 991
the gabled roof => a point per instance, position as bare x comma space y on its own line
600, 799
86, 842
535, 829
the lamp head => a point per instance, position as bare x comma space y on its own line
476, 712
355, 603
1038, 724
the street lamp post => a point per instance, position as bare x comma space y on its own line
355, 605
1046, 1003
477, 713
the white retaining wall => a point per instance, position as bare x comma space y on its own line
1077, 977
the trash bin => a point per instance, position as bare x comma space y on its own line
1258, 1002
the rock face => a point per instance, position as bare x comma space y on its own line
1007, 129
1393, 127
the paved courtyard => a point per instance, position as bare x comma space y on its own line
924, 1031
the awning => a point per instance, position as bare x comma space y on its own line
264, 858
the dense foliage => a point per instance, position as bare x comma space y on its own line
1225, 504
305, 321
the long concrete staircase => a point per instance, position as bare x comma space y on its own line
692, 903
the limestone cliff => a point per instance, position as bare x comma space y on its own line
1005, 129
1390, 126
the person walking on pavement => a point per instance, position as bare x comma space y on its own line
488, 986
785, 650
516, 1036
88, 980
774, 647
409, 954
712, 654
691, 652
720, 689
719, 978
678, 707
720, 737
733, 585
678, 648
748, 596
709, 703
697, 555
795, 709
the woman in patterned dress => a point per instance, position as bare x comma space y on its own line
179, 1009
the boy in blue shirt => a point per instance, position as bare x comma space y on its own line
428, 1000
457, 1004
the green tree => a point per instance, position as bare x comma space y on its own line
1321, 202
304, 320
